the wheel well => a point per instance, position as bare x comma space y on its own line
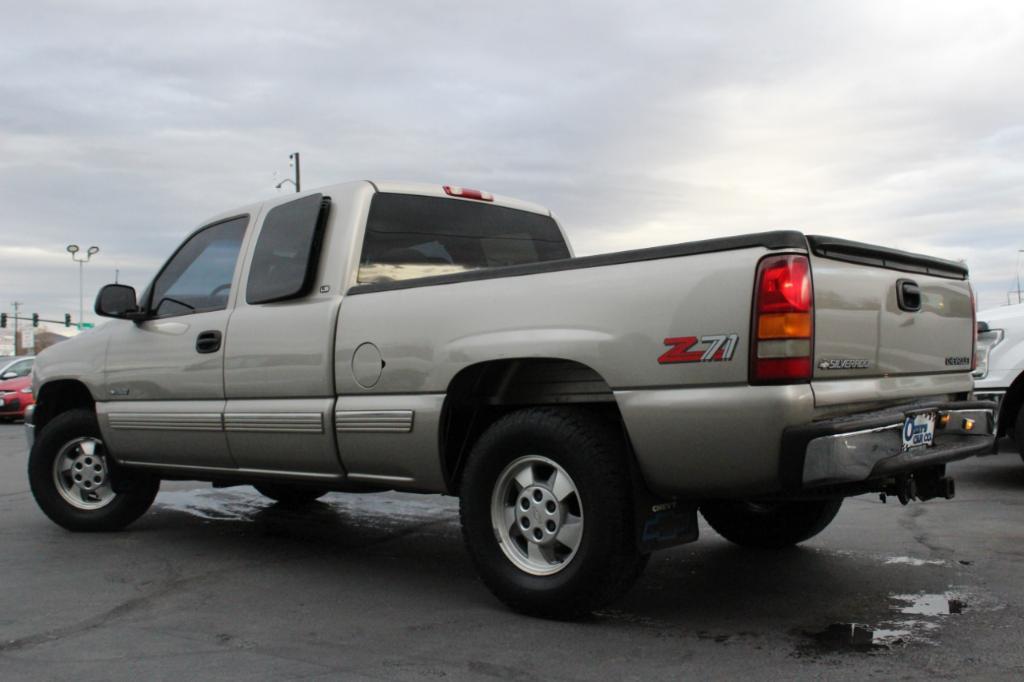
480, 394
1010, 405
57, 397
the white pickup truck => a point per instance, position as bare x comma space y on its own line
385, 336
999, 376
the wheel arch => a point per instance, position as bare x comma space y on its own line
59, 396
481, 393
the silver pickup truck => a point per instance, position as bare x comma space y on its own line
384, 336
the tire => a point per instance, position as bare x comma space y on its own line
770, 525
577, 569
73, 438
1018, 428
290, 495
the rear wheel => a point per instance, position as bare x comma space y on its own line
77, 484
547, 515
770, 525
290, 495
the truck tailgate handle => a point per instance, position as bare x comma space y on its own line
908, 295
208, 342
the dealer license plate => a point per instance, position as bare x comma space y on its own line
919, 431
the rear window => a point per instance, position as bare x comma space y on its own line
410, 236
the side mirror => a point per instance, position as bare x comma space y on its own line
8, 375
118, 300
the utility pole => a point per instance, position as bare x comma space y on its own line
16, 304
298, 174
298, 178
1019, 251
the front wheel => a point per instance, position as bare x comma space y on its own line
770, 525
73, 479
1018, 431
547, 515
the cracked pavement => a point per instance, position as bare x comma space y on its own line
223, 584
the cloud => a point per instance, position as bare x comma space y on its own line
125, 125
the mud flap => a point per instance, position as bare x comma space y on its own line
665, 523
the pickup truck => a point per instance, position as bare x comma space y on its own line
999, 376
376, 336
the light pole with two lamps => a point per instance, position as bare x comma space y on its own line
90, 252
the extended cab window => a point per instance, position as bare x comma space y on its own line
410, 236
284, 262
198, 277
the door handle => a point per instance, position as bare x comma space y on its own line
208, 342
908, 295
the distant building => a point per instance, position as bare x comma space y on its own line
45, 339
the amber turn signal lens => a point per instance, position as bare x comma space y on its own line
784, 326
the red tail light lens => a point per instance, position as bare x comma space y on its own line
784, 285
783, 324
467, 193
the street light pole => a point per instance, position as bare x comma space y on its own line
298, 177
90, 252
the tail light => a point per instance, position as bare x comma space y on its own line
974, 332
467, 193
783, 324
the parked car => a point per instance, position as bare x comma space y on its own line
999, 376
15, 397
12, 368
377, 336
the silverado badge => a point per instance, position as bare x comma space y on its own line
844, 363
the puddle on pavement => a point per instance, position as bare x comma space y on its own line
911, 561
931, 611
245, 504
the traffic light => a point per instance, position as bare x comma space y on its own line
3, 319
35, 319
67, 319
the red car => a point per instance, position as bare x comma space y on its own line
15, 396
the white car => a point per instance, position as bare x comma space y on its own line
999, 375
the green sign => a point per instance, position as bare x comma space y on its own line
86, 325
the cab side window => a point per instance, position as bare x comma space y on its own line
287, 251
198, 277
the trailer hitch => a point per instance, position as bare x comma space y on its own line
921, 486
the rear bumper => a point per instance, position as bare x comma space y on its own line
992, 396
868, 446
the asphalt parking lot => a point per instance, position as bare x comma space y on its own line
214, 584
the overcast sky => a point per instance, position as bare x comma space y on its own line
125, 124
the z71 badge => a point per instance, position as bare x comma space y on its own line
711, 348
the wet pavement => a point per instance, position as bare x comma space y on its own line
224, 584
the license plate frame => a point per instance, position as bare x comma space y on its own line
918, 431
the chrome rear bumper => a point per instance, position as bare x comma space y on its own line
870, 446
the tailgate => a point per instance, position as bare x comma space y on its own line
880, 312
